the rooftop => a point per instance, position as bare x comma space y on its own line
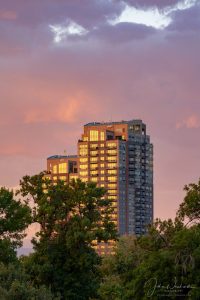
113, 123
62, 156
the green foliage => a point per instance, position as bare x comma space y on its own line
71, 217
165, 263
14, 218
16, 285
190, 208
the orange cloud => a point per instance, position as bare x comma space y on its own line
191, 122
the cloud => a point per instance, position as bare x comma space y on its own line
186, 20
70, 29
148, 17
8, 15
190, 122
160, 3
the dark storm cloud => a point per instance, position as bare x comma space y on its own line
152, 3
122, 32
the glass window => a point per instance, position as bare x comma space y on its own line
93, 146
113, 152
112, 171
93, 172
102, 136
112, 186
62, 168
83, 152
93, 159
94, 135
84, 179
111, 158
94, 179
83, 159
55, 177
55, 169
102, 151
93, 166
83, 173
112, 178
102, 172
102, 158
73, 176
85, 138
111, 145
112, 165
93, 152
83, 146
62, 178
102, 178
102, 165
83, 167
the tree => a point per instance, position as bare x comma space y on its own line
190, 208
165, 263
15, 284
71, 217
15, 216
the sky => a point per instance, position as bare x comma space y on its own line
64, 63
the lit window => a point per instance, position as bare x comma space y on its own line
84, 179
102, 158
83, 159
83, 173
111, 158
102, 178
55, 177
102, 185
102, 165
62, 168
102, 151
83, 146
93, 159
102, 172
102, 136
102, 145
55, 169
93, 172
94, 135
62, 178
112, 165
112, 191
93, 166
73, 177
93, 152
85, 138
83, 152
112, 198
112, 171
112, 152
112, 178
93, 146
111, 145
112, 186
83, 167
94, 179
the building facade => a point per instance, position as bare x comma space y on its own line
119, 157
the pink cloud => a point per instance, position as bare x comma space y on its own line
8, 15
192, 121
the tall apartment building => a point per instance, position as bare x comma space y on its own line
119, 157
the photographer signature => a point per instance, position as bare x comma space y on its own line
152, 285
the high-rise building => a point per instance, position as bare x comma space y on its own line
119, 157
